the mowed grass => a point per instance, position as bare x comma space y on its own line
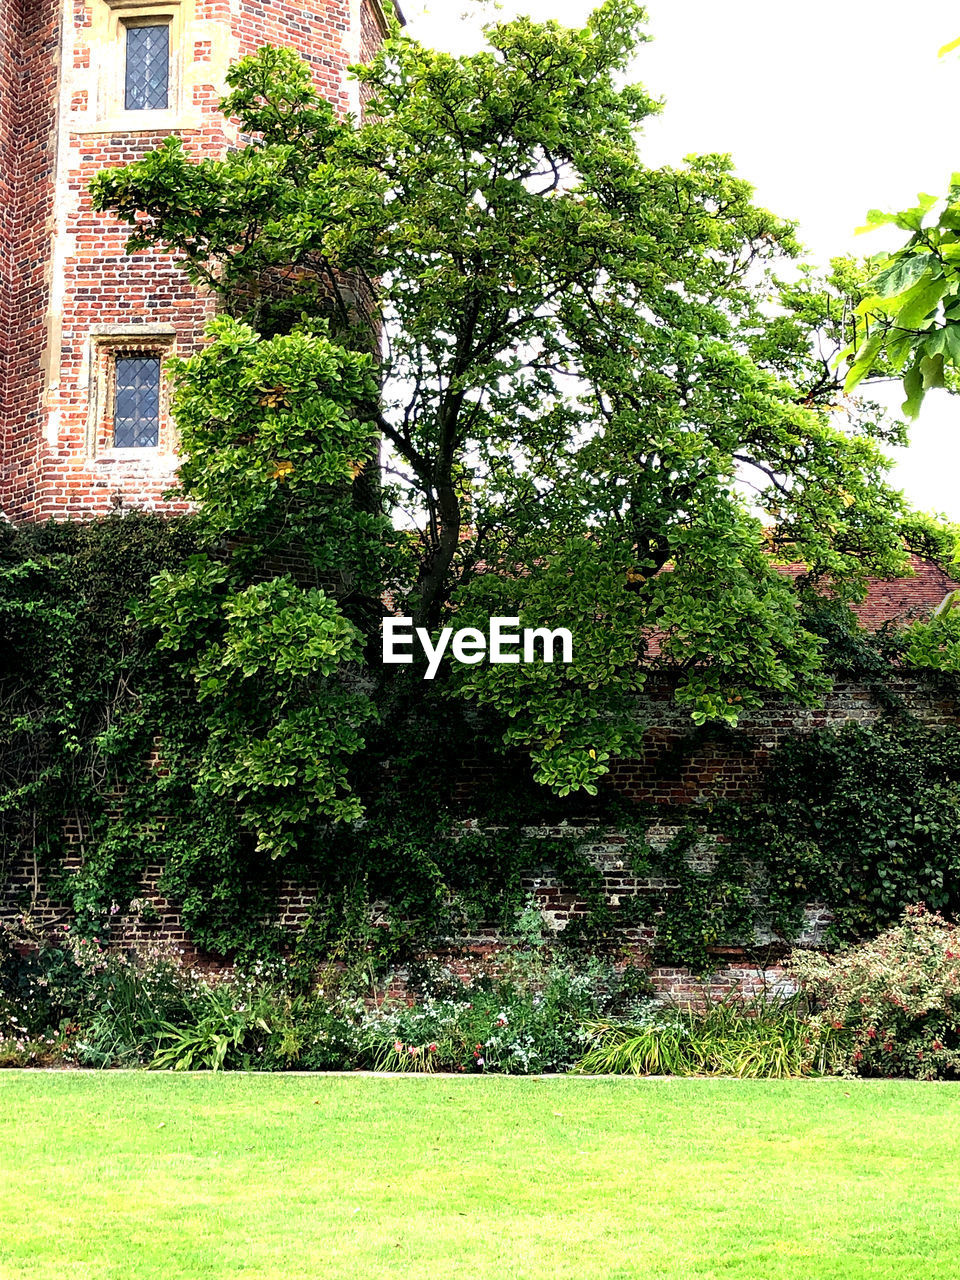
135, 1176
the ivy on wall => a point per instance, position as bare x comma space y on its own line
865, 819
105, 753
103, 739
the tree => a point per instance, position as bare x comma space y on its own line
910, 316
584, 361
910, 313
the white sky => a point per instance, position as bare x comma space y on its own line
829, 108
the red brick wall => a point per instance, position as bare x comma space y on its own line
707, 771
372, 30
69, 271
11, 17
318, 29
28, 132
679, 769
161, 927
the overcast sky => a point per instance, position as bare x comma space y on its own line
829, 108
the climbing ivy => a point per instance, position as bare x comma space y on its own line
105, 770
111, 763
863, 818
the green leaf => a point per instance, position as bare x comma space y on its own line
866, 357
912, 219
902, 274
931, 369
921, 302
913, 386
944, 342
875, 218
936, 344
952, 338
898, 347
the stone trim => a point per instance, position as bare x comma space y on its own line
135, 13
105, 342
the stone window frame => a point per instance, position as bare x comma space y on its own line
112, 97
106, 343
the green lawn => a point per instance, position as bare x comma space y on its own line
130, 1176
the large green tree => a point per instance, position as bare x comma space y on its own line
597, 409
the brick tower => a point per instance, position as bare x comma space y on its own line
86, 84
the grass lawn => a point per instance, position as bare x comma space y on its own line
136, 1176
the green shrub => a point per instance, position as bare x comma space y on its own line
524, 1015
312, 1031
217, 1038
889, 1007
92, 1006
761, 1038
80, 1003
866, 819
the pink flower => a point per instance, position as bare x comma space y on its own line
432, 1048
398, 1046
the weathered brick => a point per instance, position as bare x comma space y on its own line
63, 268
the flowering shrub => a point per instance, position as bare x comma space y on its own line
75, 1002
525, 1016
503, 1028
32, 1051
890, 1007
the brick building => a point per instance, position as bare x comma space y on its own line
86, 84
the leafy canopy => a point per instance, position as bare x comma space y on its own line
585, 362
911, 314
911, 311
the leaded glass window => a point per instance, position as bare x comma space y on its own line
148, 68
136, 419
